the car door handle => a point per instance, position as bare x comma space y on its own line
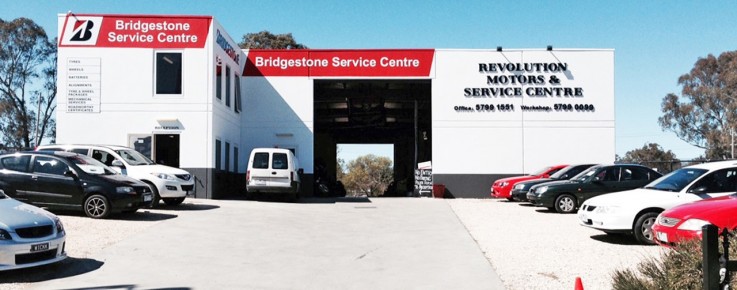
273, 173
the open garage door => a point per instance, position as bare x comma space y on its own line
375, 112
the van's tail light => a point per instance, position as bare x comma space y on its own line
248, 175
291, 176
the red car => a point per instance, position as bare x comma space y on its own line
684, 222
502, 188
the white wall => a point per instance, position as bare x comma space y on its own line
128, 104
518, 141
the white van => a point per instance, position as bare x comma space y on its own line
273, 170
167, 183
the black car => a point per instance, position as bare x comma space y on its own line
64, 180
519, 191
565, 196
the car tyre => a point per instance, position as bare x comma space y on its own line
173, 201
643, 229
97, 206
565, 203
155, 195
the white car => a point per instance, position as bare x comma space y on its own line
635, 211
29, 236
167, 183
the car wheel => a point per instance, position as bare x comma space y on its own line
97, 207
173, 201
565, 203
155, 195
510, 199
643, 229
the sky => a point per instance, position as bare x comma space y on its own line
655, 42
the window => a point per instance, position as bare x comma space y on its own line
168, 73
237, 107
218, 78
227, 156
217, 154
227, 86
48, 165
235, 159
261, 160
280, 161
609, 174
82, 151
724, 180
16, 163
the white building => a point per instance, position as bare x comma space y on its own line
178, 89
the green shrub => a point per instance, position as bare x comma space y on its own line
676, 268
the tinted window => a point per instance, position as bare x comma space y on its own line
280, 161
608, 174
724, 180
235, 159
261, 160
635, 173
217, 154
169, 73
82, 151
48, 165
676, 180
227, 85
16, 163
227, 156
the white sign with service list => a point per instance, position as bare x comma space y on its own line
83, 85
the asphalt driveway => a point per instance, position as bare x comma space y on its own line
387, 243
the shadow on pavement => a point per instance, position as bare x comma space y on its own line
141, 215
126, 287
525, 204
186, 207
322, 200
617, 239
66, 268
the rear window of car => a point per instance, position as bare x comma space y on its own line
280, 161
16, 163
261, 160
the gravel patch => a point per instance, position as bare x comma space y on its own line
533, 248
85, 237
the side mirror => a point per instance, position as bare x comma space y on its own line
596, 179
70, 173
700, 189
118, 163
300, 171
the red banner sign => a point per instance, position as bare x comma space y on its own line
135, 31
340, 63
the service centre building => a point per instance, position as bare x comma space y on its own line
179, 90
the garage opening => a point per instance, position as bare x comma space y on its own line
396, 112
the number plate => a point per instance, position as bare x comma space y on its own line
663, 237
147, 197
40, 247
259, 182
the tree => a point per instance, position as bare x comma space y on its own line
369, 175
706, 113
268, 40
27, 83
652, 155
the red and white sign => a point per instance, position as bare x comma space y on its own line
135, 31
340, 63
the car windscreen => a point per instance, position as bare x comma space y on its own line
583, 176
91, 165
541, 171
676, 180
134, 157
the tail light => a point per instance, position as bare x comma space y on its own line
291, 176
248, 175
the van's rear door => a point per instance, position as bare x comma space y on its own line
260, 171
280, 170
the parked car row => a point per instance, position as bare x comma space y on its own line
635, 200
97, 180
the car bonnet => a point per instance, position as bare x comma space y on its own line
15, 214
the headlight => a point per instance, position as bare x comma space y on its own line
541, 190
667, 221
607, 209
4, 235
519, 186
59, 226
165, 176
125, 189
693, 225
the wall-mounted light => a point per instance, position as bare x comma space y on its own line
550, 47
341, 120
498, 48
391, 119
284, 135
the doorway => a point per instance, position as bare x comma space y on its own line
396, 112
166, 149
